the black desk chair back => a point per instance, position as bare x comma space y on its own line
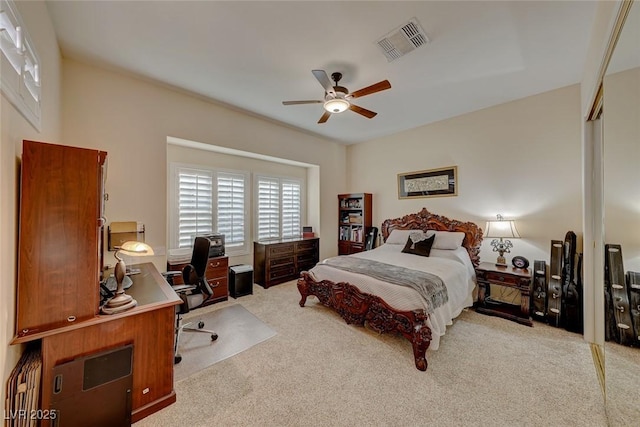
194, 273
193, 291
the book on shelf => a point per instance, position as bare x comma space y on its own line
345, 233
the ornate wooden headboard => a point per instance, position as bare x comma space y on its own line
425, 220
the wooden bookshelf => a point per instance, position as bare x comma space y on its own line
354, 221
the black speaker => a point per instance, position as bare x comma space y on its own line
94, 390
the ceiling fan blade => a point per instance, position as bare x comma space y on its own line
363, 111
322, 77
301, 102
383, 85
324, 117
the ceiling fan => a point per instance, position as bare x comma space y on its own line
338, 98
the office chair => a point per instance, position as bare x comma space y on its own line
193, 292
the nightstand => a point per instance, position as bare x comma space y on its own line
487, 274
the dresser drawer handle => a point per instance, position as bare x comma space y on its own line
501, 278
216, 264
215, 285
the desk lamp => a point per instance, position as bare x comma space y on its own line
501, 229
121, 301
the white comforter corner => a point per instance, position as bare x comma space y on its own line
453, 267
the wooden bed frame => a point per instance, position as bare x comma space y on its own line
357, 307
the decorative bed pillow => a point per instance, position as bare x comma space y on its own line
448, 239
418, 245
399, 237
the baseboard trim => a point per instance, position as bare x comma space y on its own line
597, 353
150, 408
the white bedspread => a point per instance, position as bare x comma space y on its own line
453, 266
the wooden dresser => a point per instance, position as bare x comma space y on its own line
217, 274
281, 260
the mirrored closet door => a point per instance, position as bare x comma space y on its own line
621, 199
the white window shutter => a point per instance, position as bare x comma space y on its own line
268, 208
195, 205
291, 226
231, 208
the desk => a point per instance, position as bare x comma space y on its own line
149, 327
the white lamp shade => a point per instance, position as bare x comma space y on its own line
502, 229
133, 248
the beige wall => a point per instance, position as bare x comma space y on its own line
521, 159
14, 128
621, 162
131, 120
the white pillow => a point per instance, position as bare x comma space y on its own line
399, 237
448, 240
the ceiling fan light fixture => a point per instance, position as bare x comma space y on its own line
336, 105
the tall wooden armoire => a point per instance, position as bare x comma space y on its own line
60, 236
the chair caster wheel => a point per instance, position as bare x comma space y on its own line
200, 324
214, 337
177, 359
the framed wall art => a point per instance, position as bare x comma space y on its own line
428, 183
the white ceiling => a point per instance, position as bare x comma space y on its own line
254, 55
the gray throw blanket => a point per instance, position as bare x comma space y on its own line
429, 286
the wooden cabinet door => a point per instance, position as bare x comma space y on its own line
58, 246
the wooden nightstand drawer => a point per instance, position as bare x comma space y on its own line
500, 278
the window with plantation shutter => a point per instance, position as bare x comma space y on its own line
279, 207
206, 201
19, 65
291, 203
195, 205
231, 208
268, 208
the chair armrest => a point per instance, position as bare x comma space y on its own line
183, 288
169, 275
172, 273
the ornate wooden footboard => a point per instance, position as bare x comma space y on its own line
357, 307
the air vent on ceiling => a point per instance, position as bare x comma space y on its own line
403, 40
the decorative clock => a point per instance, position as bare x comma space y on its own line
520, 262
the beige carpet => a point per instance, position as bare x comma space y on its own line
237, 331
319, 371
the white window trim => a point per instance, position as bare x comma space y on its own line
21, 87
281, 179
174, 168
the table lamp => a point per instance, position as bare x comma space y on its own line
121, 301
501, 229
